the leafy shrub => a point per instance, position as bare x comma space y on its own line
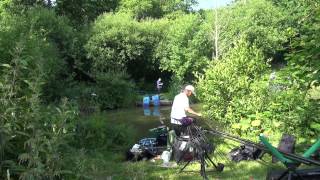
84, 94
115, 90
260, 20
227, 88
186, 47
34, 137
119, 42
82, 12
142, 9
43, 37
96, 133
238, 92
111, 90
176, 86
47, 142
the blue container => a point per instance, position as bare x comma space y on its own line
146, 101
156, 100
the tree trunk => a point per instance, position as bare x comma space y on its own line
216, 33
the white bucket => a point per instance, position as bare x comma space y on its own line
165, 156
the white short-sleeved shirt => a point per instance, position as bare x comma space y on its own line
180, 103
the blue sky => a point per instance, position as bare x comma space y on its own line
208, 4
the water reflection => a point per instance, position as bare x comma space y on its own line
141, 118
156, 111
147, 111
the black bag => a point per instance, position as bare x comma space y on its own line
245, 152
185, 149
182, 150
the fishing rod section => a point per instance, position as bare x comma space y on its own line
289, 156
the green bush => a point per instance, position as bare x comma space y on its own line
98, 133
41, 38
185, 48
261, 21
228, 84
238, 92
115, 90
33, 138
110, 91
119, 42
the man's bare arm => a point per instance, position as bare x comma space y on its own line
189, 110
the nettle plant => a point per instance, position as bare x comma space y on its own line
33, 137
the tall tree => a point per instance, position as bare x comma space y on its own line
84, 11
260, 20
186, 46
120, 42
155, 8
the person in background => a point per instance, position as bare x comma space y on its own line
159, 85
179, 108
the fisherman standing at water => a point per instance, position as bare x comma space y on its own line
179, 108
159, 85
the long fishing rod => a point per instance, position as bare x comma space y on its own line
262, 147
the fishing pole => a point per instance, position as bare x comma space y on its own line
291, 156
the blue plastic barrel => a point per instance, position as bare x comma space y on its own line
156, 100
146, 101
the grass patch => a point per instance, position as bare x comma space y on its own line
113, 166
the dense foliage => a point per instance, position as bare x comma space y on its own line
32, 136
233, 82
279, 96
263, 23
84, 11
186, 47
118, 42
141, 9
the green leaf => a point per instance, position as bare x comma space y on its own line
315, 125
276, 124
256, 123
244, 127
6, 65
236, 126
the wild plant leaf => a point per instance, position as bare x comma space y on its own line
24, 157
61, 172
256, 123
276, 124
6, 65
236, 126
23, 133
315, 125
245, 127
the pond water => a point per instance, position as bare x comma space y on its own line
142, 119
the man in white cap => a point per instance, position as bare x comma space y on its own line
179, 108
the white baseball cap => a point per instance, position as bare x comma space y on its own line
190, 88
